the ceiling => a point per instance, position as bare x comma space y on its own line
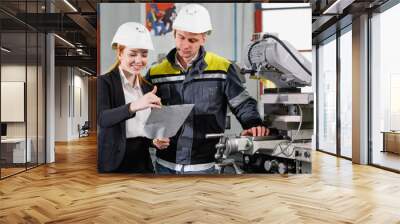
22, 20
328, 16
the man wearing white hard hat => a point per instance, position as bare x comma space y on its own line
124, 100
191, 75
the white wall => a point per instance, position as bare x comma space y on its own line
61, 105
80, 84
68, 81
293, 25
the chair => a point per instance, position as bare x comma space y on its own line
84, 130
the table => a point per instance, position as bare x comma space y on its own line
13, 150
391, 141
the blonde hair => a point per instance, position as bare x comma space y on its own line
119, 48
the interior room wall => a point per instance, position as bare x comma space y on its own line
62, 81
32, 127
17, 72
80, 109
70, 83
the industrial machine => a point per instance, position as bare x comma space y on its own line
287, 111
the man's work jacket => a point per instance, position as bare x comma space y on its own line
211, 84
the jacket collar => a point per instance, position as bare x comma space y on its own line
198, 65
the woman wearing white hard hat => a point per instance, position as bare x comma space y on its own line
124, 102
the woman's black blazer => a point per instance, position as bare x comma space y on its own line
112, 112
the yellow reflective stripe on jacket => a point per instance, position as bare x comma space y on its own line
214, 63
164, 68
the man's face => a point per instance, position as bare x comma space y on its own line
188, 44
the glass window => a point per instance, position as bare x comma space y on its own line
22, 91
385, 87
327, 96
14, 153
31, 96
346, 93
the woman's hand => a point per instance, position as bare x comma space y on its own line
161, 143
149, 100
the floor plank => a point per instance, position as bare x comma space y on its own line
386, 159
71, 191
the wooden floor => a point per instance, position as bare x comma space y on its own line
71, 191
10, 171
386, 159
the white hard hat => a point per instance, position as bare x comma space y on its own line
193, 18
133, 35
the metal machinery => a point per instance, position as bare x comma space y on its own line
288, 112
